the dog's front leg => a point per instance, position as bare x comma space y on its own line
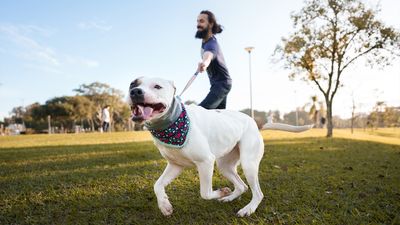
170, 173
206, 169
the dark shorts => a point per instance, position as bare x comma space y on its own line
216, 98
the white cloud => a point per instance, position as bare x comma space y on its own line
32, 49
82, 62
44, 68
40, 56
37, 30
90, 63
96, 25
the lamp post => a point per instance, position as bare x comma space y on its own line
297, 108
249, 49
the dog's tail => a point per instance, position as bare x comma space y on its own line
286, 127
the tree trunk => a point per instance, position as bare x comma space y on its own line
92, 123
329, 125
352, 124
89, 124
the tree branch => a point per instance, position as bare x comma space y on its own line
319, 86
339, 73
389, 50
334, 50
336, 87
358, 56
349, 42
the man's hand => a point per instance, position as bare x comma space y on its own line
201, 67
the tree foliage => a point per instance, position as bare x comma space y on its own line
83, 109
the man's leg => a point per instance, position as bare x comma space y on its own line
216, 97
212, 100
222, 105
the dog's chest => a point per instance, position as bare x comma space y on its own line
174, 155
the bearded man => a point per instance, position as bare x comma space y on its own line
212, 61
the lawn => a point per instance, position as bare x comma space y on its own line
108, 179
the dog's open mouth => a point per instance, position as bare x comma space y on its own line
145, 111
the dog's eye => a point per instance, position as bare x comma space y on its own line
157, 87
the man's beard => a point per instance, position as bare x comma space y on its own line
201, 34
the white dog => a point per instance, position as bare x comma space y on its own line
189, 135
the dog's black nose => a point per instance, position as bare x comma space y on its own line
136, 92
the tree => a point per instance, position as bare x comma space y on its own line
330, 36
376, 115
17, 114
353, 115
313, 113
316, 111
102, 94
61, 111
276, 116
391, 117
259, 116
32, 120
299, 117
83, 109
68, 111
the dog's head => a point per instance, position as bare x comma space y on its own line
150, 98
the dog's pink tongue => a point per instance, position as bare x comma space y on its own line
146, 112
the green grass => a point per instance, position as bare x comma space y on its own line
306, 178
387, 132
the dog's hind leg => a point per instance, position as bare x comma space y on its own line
227, 166
251, 151
170, 173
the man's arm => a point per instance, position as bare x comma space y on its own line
207, 57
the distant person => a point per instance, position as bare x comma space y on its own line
212, 61
105, 117
270, 118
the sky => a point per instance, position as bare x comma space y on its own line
48, 48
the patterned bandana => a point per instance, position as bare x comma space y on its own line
175, 134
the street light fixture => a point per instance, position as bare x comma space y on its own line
249, 49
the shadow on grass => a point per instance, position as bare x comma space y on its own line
72, 163
66, 157
309, 180
47, 151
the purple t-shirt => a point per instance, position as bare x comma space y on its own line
217, 70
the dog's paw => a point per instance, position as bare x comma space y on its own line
165, 207
224, 192
228, 198
235, 194
247, 210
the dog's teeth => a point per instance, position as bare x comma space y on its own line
140, 109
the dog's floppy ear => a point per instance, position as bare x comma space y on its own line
173, 85
135, 83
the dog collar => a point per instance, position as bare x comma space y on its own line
176, 133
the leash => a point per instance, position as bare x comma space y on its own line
189, 83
